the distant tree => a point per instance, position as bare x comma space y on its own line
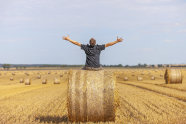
120, 65
139, 65
126, 65
6, 66
145, 65
159, 65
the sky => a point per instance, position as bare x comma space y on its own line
154, 31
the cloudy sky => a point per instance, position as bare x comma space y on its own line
154, 31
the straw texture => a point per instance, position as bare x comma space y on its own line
91, 96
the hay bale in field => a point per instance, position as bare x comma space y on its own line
126, 78
13, 73
49, 72
152, 78
27, 82
21, 80
161, 75
173, 76
11, 78
142, 73
91, 96
56, 81
61, 75
44, 81
39, 77
27, 74
139, 78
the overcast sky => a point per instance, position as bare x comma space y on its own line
154, 31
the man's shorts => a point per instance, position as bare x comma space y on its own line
92, 68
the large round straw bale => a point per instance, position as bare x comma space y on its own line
11, 78
44, 81
152, 78
13, 73
139, 78
126, 78
56, 81
61, 75
91, 96
173, 76
39, 77
27, 82
21, 80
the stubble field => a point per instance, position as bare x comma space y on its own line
140, 102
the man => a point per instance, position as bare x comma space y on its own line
92, 52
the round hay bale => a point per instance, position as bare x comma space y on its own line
13, 73
21, 80
142, 73
44, 81
126, 78
56, 81
91, 96
39, 77
61, 75
173, 76
152, 78
139, 78
133, 74
49, 72
27, 82
161, 75
27, 74
11, 78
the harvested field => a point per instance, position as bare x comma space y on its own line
141, 102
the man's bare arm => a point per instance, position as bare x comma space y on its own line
72, 41
114, 42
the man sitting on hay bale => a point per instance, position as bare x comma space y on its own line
92, 51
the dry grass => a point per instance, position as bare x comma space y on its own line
91, 96
145, 102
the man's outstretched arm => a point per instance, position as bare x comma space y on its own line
114, 42
72, 41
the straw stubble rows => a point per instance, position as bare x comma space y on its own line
141, 102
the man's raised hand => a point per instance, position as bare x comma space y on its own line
66, 37
119, 39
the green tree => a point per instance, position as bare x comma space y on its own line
6, 66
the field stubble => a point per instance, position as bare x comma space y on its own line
141, 102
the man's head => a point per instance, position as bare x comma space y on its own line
92, 42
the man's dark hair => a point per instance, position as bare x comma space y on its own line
92, 41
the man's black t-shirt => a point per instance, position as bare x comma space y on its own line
92, 54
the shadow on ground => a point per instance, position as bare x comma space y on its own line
53, 119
